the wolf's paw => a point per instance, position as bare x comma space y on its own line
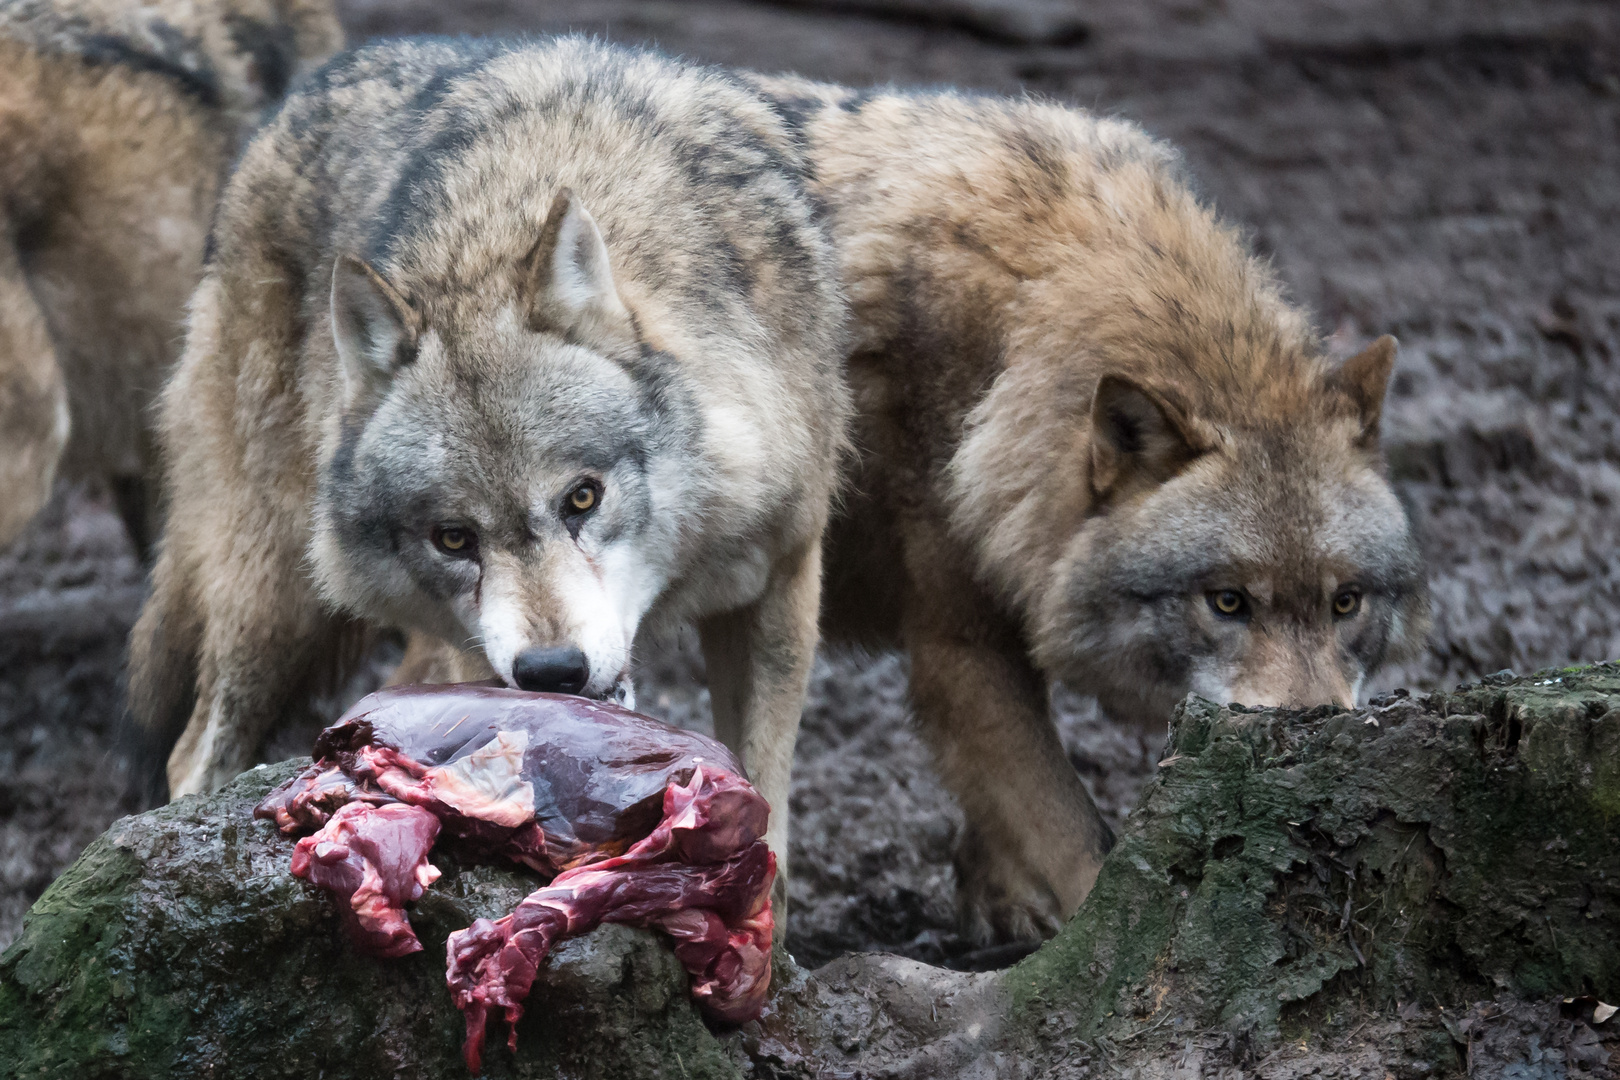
1001, 897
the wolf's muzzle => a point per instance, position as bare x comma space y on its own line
562, 670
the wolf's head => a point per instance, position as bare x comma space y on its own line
503, 477
1267, 563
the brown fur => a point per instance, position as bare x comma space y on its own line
117, 121
1084, 409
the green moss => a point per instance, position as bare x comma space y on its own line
1458, 844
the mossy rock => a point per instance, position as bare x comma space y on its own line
1420, 848
179, 945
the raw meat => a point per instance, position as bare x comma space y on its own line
375, 858
632, 821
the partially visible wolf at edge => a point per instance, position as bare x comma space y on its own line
528, 346
1097, 445
118, 121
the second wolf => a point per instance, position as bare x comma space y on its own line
1096, 444
529, 347
117, 122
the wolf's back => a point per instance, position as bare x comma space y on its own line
436, 158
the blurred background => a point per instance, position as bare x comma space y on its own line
1443, 170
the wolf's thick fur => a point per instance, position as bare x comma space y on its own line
454, 286
117, 121
1088, 420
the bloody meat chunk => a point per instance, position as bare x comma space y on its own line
630, 820
375, 857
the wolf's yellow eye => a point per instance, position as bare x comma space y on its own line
582, 498
455, 540
1346, 603
1229, 603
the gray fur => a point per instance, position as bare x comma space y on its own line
1131, 621
454, 281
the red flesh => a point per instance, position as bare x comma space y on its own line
640, 823
688, 878
375, 859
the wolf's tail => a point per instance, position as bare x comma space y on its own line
163, 650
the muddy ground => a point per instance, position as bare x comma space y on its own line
1444, 171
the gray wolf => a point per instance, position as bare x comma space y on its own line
1097, 444
117, 121
528, 347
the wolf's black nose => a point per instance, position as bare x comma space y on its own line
551, 671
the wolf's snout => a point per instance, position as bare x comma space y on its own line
1283, 669
1297, 687
562, 670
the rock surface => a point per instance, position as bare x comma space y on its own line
179, 945
1408, 889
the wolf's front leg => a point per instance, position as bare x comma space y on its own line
263, 635
1034, 838
759, 660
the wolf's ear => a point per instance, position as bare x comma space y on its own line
1136, 434
1363, 379
567, 285
373, 325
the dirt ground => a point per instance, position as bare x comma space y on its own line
1444, 171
